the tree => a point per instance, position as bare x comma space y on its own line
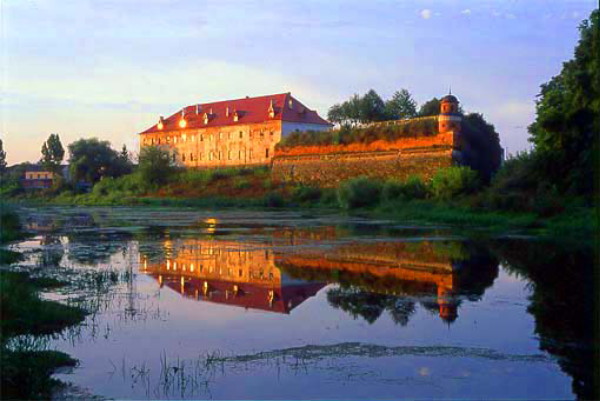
401, 105
485, 152
430, 108
92, 159
565, 131
156, 165
2, 158
372, 107
52, 153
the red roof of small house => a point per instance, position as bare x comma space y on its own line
249, 110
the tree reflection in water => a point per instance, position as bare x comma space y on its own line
564, 295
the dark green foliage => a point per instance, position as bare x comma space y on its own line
359, 192
23, 312
10, 225
347, 135
92, 159
565, 132
2, 159
451, 182
27, 375
52, 153
401, 106
371, 107
156, 165
430, 108
27, 370
304, 194
274, 199
483, 143
413, 188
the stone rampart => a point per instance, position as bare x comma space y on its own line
395, 160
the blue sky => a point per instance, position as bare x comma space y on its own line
109, 68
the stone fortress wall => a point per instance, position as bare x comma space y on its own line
327, 166
414, 156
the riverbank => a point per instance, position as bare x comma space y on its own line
26, 322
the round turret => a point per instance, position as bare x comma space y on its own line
450, 118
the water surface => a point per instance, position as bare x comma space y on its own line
289, 305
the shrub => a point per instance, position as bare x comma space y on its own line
156, 165
413, 188
305, 194
274, 199
359, 192
241, 182
453, 181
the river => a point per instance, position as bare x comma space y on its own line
190, 304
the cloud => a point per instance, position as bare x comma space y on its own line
425, 13
466, 11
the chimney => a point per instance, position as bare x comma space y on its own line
227, 111
197, 109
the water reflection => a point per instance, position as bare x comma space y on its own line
266, 262
228, 272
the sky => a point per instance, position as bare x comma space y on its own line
110, 68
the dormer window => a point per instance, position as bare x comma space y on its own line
291, 104
271, 110
236, 116
161, 123
205, 118
182, 123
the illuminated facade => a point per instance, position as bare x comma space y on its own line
241, 132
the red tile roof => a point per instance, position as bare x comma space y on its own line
250, 110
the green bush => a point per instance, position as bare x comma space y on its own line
274, 199
359, 192
454, 181
305, 194
241, 182
347, 135
413, 188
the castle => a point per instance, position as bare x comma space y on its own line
245, 132
240, 132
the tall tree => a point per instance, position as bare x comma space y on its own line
2, 158
372, 107
401, 105
52, 153
92, 159
565, 131
156, 165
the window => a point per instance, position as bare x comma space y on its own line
191, 157
229, 135
267, 153
210, 155
220, 135
220, 154
241, 134
229, 154
201, 138
193, 138
183, 157
239, 155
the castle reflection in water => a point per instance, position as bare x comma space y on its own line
272, 278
